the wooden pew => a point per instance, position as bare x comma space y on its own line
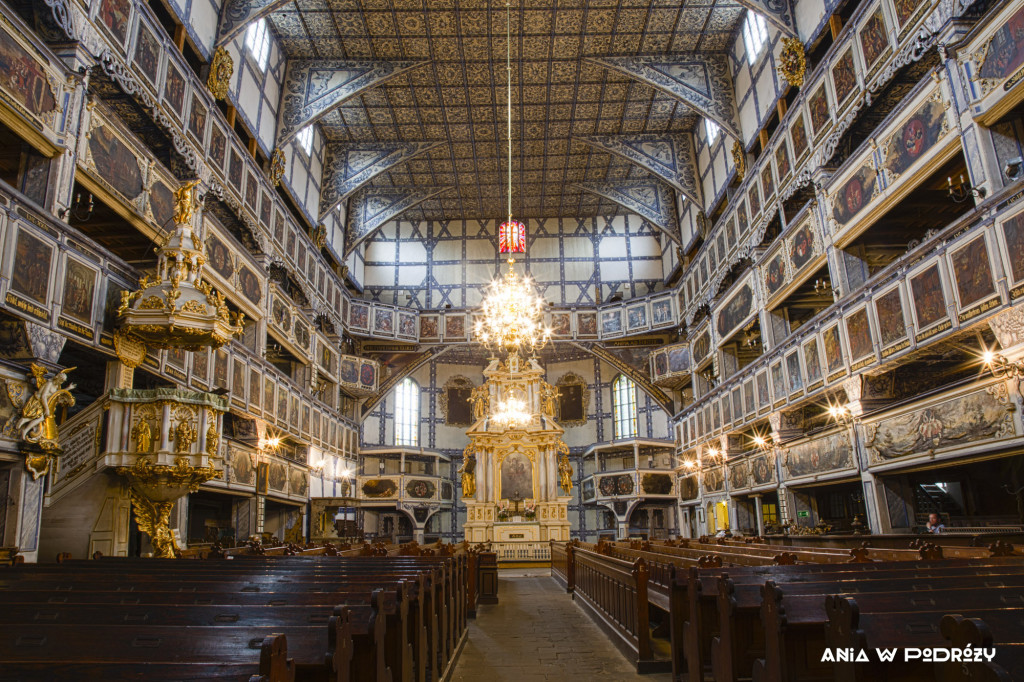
962, 632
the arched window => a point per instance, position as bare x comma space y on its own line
407, 413
624, 407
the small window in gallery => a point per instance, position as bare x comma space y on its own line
257, 41
712, 130
755, 35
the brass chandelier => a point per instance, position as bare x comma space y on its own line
511, 315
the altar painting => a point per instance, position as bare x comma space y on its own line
516, 477
828, 453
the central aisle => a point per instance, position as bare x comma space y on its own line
536, 632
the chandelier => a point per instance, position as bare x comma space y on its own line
511, 413
511, 317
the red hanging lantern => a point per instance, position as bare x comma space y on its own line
512, 237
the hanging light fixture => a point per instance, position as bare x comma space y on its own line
512, 313
511, 413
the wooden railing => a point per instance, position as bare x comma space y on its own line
522, 551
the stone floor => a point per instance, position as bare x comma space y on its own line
537, 632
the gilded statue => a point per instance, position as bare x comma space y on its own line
184, 436
467, 471
481, 399
548, 395
564, 468
212, 437
143, 435
184, 203
38, 422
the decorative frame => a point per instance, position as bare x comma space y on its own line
573, 379
457, 381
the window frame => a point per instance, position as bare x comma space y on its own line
407, 417
624, 398
755, 28
304, 138
712, 131
257, 43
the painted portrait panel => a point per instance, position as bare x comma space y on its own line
235, 172
798, 136
174, 90
586, 325
1005, 53
915, 137
660, 364
197, 119
905, 10
854, 194
821, 114
114, 14
742, 221
763, 397
454, 326
252, 192
778, 381
79, 287
712, 261
161, 203
220, 369
767, 182
407, 325
31, 275
796, 379
833, 348
147, 53
636, 317
892, 325
611, 321
220, 257
250, 285
972, 272
735, 311
279, 228
754, 199
23, 79
702, 346
302, 337
929, 299
874, 39
726, 410
748, 397
661, 312
801, 247
266, 206
349, 371
678, 359
218, 148
1013, 234
775, 273
858, 333
812, 361
844, 78
428, 327
516, 477
359, 317
782, 161
115, 162
383, 321
201, 364
561, 324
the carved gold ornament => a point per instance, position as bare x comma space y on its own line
184, 202
277, 166
221, 69
212, 435
130, 349
739, 159
319, 236
38, 423
792, 62
468, 472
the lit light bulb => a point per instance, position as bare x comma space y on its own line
988, 357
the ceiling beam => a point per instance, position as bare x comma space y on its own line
374, 206
649, 199
778, 13
639, 378
670, 157
701, 81
349, 166
237, 15
312, 87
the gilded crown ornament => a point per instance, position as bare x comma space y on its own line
793, 62
739, 159
277, 166
221, 69
178, 309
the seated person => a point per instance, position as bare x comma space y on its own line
935, 524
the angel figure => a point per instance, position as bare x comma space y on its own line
481, 399
38, 423
565, 474
548, 395
468, 473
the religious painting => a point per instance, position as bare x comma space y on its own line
1013, 236
730, 232
359, 317
407, 325
147, 53
349, 371
174, 89
282, 404
892, 326
966, 419
720, 241
702, 272
279, 227
241, 467
255, 386
161, 203
586, 325
688, 488
220, 369
252, 193
238, 377
767, 182
763, 396
114, 14
874, 39
796, 380
854, 194
516, 477
290, 248
612, 486
782, 161
711, 256
278, 476
218, 148
201, 364
702, 346
429, 327
748, 397
280, 314
326, 356
738, 476
250, 285
611, 322
812, 361
754, 199
420, 489
821, 114
801, 246
858, 334
661, 312
827, 453
79, 287
741, 216
713, 480
220, 257
115, 162
22, 77
929, 300
660, 365
775, 273
833, 348
636, 317
383, 322
778, 381
726, 410
678, 358
737, 402
798, 136
844, 78
561, 324
31, 274
915, 137
197, 119
298, 482
235, 171
905, 10
1005, 50
972, 272
737, 309
761, 471
301, 334
454, 327
716, 416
